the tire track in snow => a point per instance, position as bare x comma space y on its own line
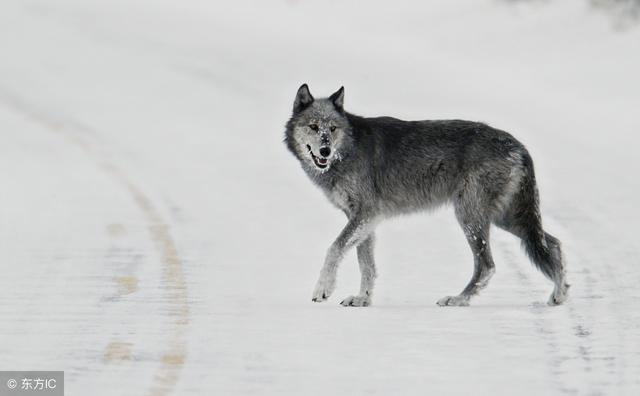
175, 353
582, 345
593, 274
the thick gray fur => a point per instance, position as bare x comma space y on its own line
374, 168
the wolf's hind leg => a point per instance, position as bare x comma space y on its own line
545, 252
561, 287
477, 234
522, 218
367, 273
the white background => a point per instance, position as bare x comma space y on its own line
157, 238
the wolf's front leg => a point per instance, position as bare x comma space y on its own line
357, 230
367, 273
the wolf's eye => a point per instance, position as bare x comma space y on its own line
314, 127
333, 128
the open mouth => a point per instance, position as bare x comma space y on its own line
320, 162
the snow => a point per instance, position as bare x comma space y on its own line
157, 237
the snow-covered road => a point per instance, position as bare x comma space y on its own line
156, 238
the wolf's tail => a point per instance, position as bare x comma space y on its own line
543, 249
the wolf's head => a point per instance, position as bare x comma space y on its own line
318, 132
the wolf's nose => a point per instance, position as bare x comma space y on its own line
325, 151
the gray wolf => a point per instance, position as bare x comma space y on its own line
374, 168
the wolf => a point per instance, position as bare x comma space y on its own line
376, 168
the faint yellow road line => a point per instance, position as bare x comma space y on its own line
174, 356
175, 351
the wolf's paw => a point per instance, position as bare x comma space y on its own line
559, 295
323, 289
454, 301
356, 301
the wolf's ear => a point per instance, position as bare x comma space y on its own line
338, 98
303, 98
